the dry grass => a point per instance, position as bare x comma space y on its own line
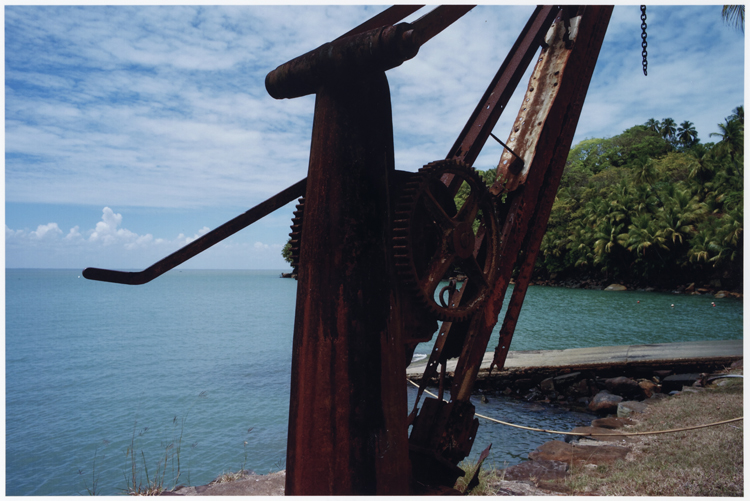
704, 462
230, 477
488, 479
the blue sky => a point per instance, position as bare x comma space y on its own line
130, 131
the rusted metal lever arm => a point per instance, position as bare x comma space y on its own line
197, 246
378, 49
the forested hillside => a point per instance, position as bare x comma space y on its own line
651, 206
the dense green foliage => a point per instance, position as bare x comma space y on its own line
652, 205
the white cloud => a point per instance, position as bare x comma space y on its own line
110, 245
166, 107
46, 230
200, 233
73, 234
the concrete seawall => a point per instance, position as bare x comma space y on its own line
688, 354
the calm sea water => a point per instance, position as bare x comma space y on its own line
201, 360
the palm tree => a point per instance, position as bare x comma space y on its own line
652, 124
677, 218
732, 138
643, 235
668, 129
734, 15
738, 114
645, 174
686, 134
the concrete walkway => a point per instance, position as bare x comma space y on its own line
607, 355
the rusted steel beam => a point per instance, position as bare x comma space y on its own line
476, 131
199, 245
538, 224
391, 15
346, 427
376, 50
554, 136
435, 21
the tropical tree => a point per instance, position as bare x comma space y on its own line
732, 138
668, 129
653, 125
686, 134
734, 15
738, 114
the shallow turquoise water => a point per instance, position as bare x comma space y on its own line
92, 367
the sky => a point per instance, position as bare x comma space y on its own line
132, 130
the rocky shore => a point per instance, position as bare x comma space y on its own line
602, 390
713, 287
622, 400
617, 399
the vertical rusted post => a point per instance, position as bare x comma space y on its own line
346, 433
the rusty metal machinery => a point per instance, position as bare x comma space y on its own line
434, 238
372, 245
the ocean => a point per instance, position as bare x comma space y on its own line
190, 373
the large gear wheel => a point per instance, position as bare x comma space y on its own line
433, 237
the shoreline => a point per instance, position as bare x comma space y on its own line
582, 372
714, 288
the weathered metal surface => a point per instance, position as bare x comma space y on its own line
437, 20
372, 51
538, 223
432, 237
356, 324
436, 355
551, 150
442, 436
479, 126
199, 245
475, 478
540, 94
391, 15
346, 433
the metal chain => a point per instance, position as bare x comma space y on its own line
644, 43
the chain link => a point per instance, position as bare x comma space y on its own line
644, 43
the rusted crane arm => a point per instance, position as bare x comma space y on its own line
199, 245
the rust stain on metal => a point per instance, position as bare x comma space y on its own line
541, 93
371, 245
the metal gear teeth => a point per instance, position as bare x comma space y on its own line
296, 234
405, 207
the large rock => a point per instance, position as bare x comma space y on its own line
628, 408
578, 389
648, 387
575, 453
566, 379
601, 434
547, 385
675, 382
612, 423
538, 470
616, 287
623, 386
604, 402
